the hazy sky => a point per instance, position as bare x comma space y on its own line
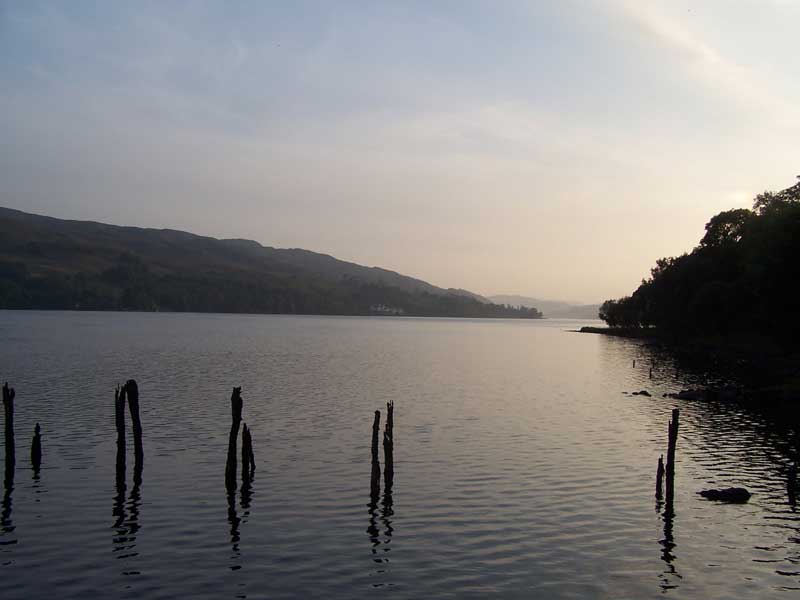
553, 149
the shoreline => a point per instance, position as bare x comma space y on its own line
767, 374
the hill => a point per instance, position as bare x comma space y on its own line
49, 263
553, 309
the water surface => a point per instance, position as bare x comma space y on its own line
522, 470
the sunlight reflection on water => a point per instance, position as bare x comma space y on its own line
521, 467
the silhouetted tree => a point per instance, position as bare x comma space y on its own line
743, 276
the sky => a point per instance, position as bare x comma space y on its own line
549, 149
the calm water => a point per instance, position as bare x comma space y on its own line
522, 470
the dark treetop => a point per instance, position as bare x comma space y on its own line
743, 278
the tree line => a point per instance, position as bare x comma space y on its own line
742, 277
131, 284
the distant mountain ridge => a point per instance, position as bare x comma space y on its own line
63, 264
550, 308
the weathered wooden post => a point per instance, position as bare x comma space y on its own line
660, 477
634, 363
791, 484
245, 455
375, 485
651, 372
248, 460
375, 478
376, 429
670, 470
388, 446
236, 418
8, 408
36, 449
119, 419
132, 391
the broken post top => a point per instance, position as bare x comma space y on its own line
376, 425
132, 388
37, 429
236, 404
8, 393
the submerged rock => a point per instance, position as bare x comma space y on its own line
733, 495
641, 393
690, 395
724, 394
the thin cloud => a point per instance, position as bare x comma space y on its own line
721, 75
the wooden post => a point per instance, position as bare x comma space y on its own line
245, 455
375, 478
8, 408
248, 460
375, 486
651, 372
791, 484
388, 446
236, 418
132, 391
36, 449
376, 429
119, 419
660, 477
670, 470
634, 363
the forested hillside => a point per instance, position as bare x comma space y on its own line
48, 263
741, 278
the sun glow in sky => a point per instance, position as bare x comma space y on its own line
551, 149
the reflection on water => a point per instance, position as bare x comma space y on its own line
373, 531
532, 464
381, 515
6, 523
670, 575
235, 521
126, 516
387, 514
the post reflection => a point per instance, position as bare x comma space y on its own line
6, 522
670, 575
387, 512
234, 520
126, 512
374, 497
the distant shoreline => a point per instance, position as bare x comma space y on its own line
262, 314
626, 332
767, 372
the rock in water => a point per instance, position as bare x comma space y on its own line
733, 495
690, 395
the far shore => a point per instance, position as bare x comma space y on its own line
627, 332
768, 372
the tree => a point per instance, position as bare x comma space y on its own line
727, 227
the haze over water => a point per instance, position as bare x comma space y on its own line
521, 468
